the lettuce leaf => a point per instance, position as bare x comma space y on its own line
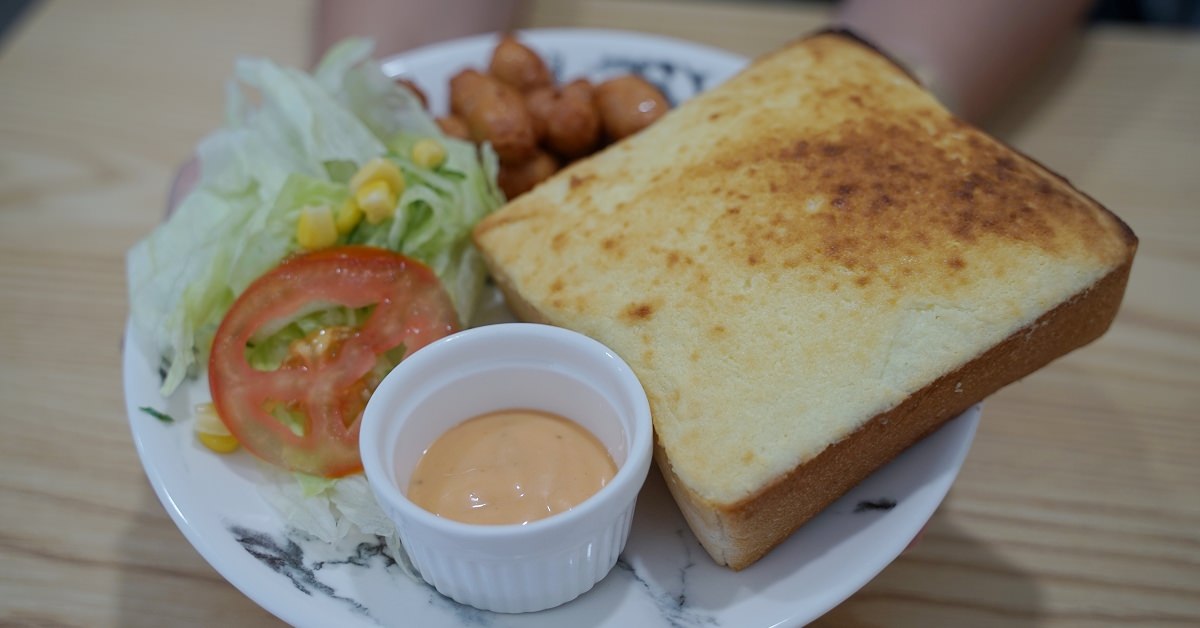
341, 512
297, 147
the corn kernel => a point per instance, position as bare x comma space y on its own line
316, 229
348, 216
377, 201
211, 431
429, 153
379, 169
218, 444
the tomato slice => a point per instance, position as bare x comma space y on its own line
326, 390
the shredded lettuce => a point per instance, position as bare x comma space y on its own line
295, 145
298, 147
339, 512
268, 349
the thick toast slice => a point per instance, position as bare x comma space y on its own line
809, 267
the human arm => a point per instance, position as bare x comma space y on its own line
971, 52
398, 25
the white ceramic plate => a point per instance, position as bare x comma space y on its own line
664, 577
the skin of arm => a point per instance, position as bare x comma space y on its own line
970, 52
398, 25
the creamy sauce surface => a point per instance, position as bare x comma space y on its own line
510, 466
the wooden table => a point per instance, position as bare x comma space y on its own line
1078, 505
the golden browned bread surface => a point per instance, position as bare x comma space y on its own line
811, 251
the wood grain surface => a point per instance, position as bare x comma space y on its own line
1079, 503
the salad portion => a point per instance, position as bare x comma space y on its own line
327, 238
343, 155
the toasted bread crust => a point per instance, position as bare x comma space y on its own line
810, 268
739, 534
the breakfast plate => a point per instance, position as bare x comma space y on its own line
663, 578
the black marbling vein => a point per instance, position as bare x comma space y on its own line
363, 553
661, 73
463, 615
883, 503
287, 559
673, 605
676, 81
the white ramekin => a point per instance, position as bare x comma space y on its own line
509, 568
